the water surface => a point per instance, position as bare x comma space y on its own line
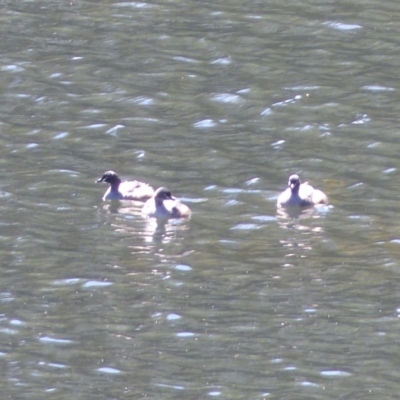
221, 102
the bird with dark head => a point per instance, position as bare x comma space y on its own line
126, 190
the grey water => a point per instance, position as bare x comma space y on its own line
220, 101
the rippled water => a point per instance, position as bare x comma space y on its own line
221, 102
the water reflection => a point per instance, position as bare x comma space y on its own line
298, 213
124, 207
151, 230
301, 221
164, 231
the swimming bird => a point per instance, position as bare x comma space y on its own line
300, 194
127, 190
163, 205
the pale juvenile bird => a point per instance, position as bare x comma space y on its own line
163, 205
300, 194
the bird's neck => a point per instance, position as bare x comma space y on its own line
115, 185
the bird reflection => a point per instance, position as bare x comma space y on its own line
298, 213
163, 231
151, 230
123, 207
295, 219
